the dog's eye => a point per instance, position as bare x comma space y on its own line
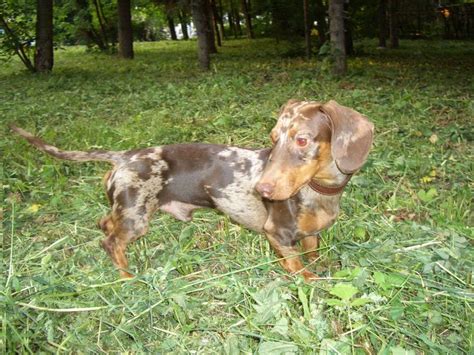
301, 142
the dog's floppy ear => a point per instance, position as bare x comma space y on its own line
352, 135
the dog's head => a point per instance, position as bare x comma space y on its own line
307, 138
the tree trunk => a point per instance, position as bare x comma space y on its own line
211, 36
184, 25
233, 29
44, 59
103, 24
348, 43
125, 33
382, 14
173, 35
215, 22
248, 18
307, 28
84, 28
221, 21
236, 16
336, 29
201, 22
393, 23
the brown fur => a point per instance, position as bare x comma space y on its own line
264, 190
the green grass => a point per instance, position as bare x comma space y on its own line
398, 263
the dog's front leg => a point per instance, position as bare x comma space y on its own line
310, 247
290, 257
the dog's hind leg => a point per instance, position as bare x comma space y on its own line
127, 222
120, 231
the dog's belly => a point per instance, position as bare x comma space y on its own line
200, 175
245, 208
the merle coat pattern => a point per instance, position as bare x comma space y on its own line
289, 192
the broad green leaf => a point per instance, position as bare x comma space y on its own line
398, 350
395, 280
379, 278
427, 196
359, 302
269, 303
435, 317
179, 299
281, 327
343, 273
304, 302
231, 345
276, 348
333, 347
344, 291
396, 312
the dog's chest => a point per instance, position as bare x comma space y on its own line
239, 199
316, 212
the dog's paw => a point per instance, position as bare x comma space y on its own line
309, 276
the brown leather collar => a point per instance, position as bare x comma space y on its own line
329, 190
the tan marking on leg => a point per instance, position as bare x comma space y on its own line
291, 260
311, 222
310, 245
106, 224
119, 235
115, 245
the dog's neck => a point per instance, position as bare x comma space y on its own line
329, 180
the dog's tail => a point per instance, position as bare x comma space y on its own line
76, 155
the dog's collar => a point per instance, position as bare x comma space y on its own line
329, 190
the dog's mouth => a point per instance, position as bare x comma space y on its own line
274, 196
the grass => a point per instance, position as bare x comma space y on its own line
397, 265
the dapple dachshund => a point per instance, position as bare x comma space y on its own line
290, 192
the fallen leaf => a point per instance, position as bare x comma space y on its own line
434, 138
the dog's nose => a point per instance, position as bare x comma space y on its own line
265, 189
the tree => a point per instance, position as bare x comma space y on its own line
170, 10
307, 28
245, 4
349, 45
215, 21
200, 15
382, 23
211, 35
336, 30
184, 24
219, 19
44, 56
125, 34
104, 25
171, 26
19, 32
84, 27
236, 17
393, 23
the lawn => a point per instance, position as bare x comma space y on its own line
397, 266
